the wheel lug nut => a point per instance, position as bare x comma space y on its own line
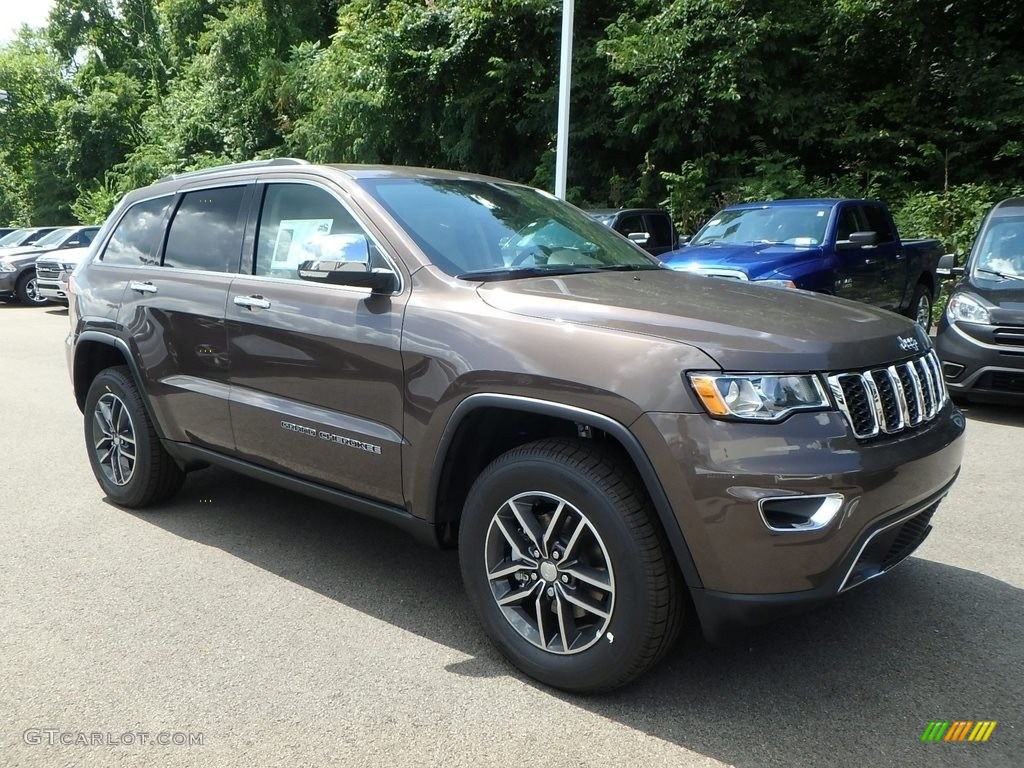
555, 554
565, 579
533, 576
551, 591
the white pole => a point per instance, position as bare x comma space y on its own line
564, 86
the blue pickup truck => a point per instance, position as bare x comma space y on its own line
847, 248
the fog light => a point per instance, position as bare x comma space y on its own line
787, 514
952, 370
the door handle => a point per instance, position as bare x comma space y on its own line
146, 287
252, 302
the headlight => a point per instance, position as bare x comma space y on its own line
6, 266
758, 397
968, 309
69, 267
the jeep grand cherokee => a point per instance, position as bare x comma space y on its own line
614, 448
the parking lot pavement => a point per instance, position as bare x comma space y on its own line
287, 632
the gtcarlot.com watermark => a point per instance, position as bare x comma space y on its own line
54, 737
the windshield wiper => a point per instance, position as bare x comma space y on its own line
999, 274
520, 272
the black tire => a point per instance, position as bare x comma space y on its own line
27, 290
647, 601
154, 475
917, 310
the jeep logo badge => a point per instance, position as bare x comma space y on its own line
908, 343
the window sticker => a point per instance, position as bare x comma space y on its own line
297, 241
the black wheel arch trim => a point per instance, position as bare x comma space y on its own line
121, 346
616, 429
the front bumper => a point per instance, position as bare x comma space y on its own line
716, 472
8, 281
979, 367
51, 289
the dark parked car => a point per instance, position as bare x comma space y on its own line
981, 333
847, 248
650, 228
616, 449
18, 278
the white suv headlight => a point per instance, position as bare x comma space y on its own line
966, 308
759, 397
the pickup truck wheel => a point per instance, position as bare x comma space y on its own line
126, 456
921, 307
566, 567
27, 290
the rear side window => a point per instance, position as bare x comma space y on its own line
136, 237
850, 221
878, 223
206, 231
659, 229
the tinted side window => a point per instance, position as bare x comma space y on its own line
629, 224
849, 222
878, 222
137, 236
206, 231
300, 223
659, 229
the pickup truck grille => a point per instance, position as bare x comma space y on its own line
885, 401
48, 270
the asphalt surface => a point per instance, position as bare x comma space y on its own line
287, 632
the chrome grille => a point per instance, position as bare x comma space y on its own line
48, 270
889, 400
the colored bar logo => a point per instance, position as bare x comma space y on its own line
958, 730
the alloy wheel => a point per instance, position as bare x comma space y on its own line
924, 312
115, 446
549, 572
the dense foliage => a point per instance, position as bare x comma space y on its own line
689, 103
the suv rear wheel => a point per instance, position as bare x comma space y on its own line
124, 450
566, 567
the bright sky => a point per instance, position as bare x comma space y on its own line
14, 13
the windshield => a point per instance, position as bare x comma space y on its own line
801, 225
1001, 249
13, 238
488, 230
53, 238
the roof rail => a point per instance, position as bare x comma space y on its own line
233, 166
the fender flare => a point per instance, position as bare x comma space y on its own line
110, 340
616, 429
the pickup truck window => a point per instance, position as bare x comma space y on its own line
878, 222
790, 224
660, 230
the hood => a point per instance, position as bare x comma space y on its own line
743, 326
65, 255
22, 254
1005, 296
753, 259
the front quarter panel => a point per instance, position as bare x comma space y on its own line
454, 345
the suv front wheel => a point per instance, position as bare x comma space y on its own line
124, 450
567, 568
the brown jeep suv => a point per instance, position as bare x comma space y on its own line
614, 448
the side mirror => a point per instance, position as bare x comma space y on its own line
957, 272
863, 238
345, 260
640, 238
683, 239
946, 265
